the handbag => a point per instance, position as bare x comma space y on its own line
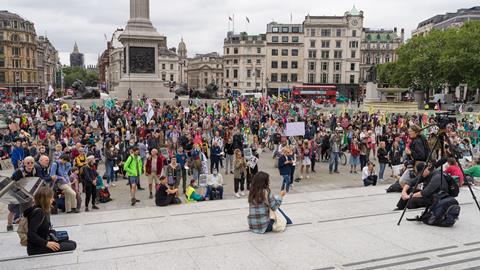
279, 223
58, 236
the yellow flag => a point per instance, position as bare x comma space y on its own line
370, 110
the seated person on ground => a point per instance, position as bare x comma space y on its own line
165, 195
214, 185
39, 226
103, 194
368, 175
454, 170
473, 171
192, 195
432, 181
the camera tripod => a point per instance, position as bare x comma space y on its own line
441, 139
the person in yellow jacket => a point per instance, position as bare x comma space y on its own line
133, 167
192, 195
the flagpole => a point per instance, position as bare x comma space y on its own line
233, 22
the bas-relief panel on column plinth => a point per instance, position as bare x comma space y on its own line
142, 60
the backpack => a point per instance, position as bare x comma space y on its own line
443, 213
395, 187
453, 188
22, 230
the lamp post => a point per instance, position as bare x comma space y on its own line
17, 82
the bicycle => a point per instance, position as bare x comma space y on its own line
342, 157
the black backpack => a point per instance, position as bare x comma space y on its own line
443, 213
453, 188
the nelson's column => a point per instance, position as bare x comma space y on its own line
141, 41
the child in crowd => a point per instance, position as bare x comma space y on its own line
76, 186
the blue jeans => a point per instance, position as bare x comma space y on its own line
286, 182
333, 166
109, 171
382, 170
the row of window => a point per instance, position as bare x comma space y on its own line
284, 64
312, 32
164, 77
16, 25
249, 73
285, 52
377, 59
324, 78
30, 78
249, 61
235, 50
235, 84
337, 66
338, 44
325, 54
285, 29
284, 77
378, 46
17, 63
171, 66
285, 39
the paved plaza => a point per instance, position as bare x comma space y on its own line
337, 225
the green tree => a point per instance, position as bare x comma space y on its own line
90, 78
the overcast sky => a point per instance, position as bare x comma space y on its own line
204, 23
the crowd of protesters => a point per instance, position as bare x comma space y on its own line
180, 146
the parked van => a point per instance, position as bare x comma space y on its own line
252, 95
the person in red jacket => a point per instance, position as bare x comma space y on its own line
354, 156
153, 169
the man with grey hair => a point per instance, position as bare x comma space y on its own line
15, 209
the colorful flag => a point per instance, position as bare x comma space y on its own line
50, 90
150, 112
106, 120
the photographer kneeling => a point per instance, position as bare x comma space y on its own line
433, 182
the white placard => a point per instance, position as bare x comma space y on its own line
295, 129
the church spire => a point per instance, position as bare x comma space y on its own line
75, 48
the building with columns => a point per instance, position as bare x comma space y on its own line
332, 51
378, 46
244, 62
204, 69
284, 57
18, 55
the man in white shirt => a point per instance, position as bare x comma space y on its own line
368, 174
214, 185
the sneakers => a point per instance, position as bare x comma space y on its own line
134, 201
86, 209
95, 207
141, 188
308, 176
381, 180
113, 184
151, 196
10, 228
237, 195
242, 193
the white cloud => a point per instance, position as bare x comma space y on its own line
204, 23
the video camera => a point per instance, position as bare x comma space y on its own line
443, 119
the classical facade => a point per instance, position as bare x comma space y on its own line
169, 65
116, 62
244, 62
48, 66
204, 69
444, 21
76, 57
332, 51
284, 56
378, 46
18, 55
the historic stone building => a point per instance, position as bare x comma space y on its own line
244, 62
76, 57
169, 65
204, 69
48, 66
332, 51
284, 57
378, 46
444, 21
18, 55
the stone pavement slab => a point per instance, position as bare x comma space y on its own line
352, 228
